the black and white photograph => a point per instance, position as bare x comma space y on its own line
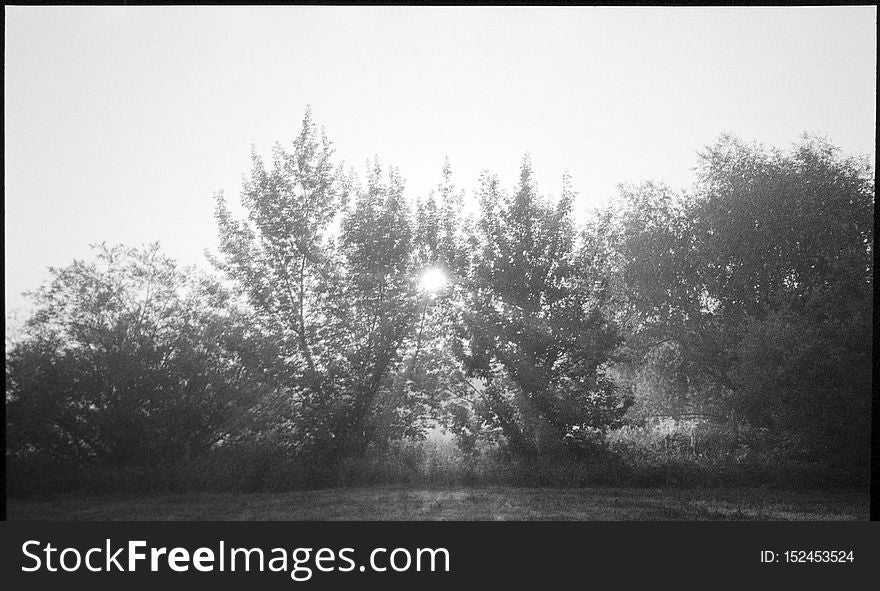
439, 263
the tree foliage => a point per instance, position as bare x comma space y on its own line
128, 360
375, 306
533, 318
747, 298
761, 278
328, 269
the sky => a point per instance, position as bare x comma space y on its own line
121, 123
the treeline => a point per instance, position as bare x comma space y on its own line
343, 323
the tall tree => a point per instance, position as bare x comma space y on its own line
532, 325
761, 281
280, 255
374, 305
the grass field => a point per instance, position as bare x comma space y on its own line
396, 503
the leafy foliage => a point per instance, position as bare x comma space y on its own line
761, 281
129, 360
723, 328
328, 269
535, 317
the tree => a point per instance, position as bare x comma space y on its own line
787, 241
644, 246
328, 268
128, 360
280, 256
278, 252
374, 307
533, 326
761, 279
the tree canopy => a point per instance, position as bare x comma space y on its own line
129, 360
747, 298
760, 281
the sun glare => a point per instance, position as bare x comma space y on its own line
433, 280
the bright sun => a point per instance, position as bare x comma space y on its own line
433, 280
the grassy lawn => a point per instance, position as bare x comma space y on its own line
498, 503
